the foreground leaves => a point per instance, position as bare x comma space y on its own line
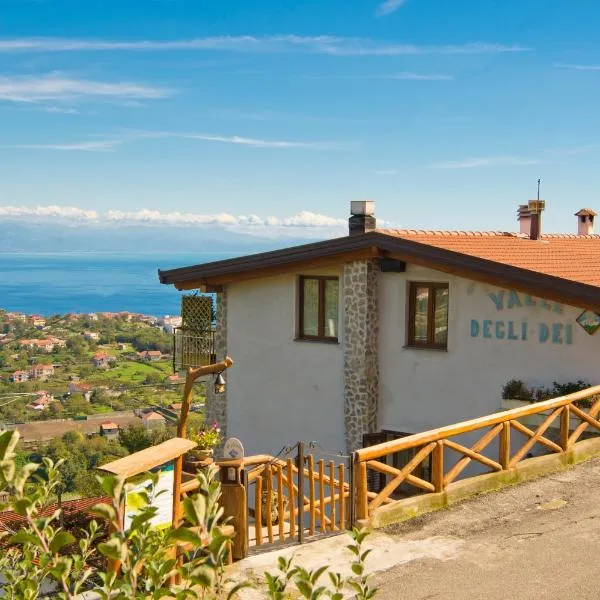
44, 559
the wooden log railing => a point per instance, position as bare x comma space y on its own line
573, 420
280, 510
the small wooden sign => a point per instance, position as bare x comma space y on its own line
233, 450
160, 459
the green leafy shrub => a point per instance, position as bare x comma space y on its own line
139, 562
515, 389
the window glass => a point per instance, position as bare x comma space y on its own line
441, 316
310, 316
332, 292
421, 312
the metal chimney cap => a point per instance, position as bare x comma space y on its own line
536, 206
362, 207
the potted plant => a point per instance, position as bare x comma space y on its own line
516, 394
207, 439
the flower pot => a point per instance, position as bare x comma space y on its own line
202, 453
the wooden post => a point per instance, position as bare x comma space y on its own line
332, 493
361, 487
342, 492
311, 495
269, 503
300, 465
565, 425
323, 524
190, 378
234, 503
291, 497
504, 458
280, 505
258, 518
438, 466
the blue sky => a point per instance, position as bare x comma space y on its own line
444, 112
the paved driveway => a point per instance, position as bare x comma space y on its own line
538, 540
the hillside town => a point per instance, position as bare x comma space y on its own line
79, 366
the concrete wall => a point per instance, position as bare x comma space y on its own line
424, 389
280, 390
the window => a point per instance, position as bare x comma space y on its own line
318, 308
428, 315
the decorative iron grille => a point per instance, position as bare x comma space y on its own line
193, 342
196, 313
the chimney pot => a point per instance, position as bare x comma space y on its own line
536, 207
524, 218
362, 217
585, 221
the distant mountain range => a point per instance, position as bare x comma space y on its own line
19, 236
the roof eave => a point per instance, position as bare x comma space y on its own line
539, 284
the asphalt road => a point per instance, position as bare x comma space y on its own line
539, 540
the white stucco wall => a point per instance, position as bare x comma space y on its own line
423, 389
280, 390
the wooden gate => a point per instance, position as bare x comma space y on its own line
302, 493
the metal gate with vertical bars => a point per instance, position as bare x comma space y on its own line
303, 493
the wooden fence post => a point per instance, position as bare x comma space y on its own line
438, 466
504, 457
361, 488
565, 425
235, 505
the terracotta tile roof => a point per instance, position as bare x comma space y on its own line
153, 416
12, 521
568, 256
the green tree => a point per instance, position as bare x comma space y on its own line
77, 346
78, 405
135, 438
153, 377
73, 438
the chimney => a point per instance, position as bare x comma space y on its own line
585, 221
362, 217
536, 208
524, 218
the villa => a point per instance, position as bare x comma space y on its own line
102, 360
385, 333
41, 371
19, 377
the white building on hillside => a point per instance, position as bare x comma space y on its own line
391, 332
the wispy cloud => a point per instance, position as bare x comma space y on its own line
56, 88
385, 172
107, 145
578, 67
323, 44
404, 75
389, 6
254, 142
491, 161
60, 110
574, 150
97, 146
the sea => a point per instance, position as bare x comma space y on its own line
49, 284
